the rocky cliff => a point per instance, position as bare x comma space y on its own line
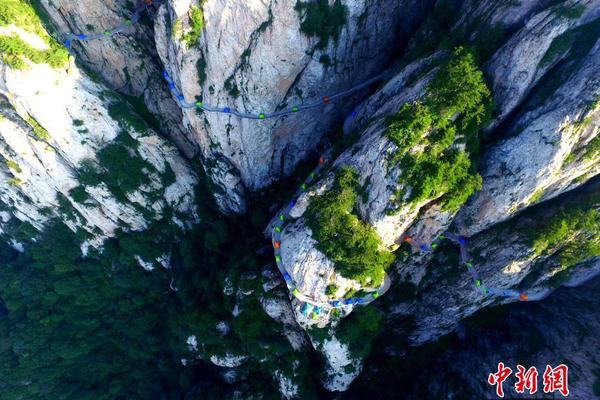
560, 329
128, 63
539, 142
75, 151
486, 124
260, 57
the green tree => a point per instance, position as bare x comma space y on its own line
343, 237
457, 104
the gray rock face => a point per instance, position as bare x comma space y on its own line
546, 156
253, 57
529, 167
503, 258
561, 329
526, 57
127, 63
55, 122
543, 154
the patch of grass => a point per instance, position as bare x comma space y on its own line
79, 195
13, 50
331, 290
321, 20
569, 159
575, 233
38, 130
592, 149
343, 237
13, 165
177, 29
196, 23
350, 293
22, 14
15, 182
456, 106
538, 194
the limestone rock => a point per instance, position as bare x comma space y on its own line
546, 154
127, 63
54, 123
253, 56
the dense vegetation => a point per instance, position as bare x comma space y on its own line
82, 328
563, 240
343, 237
101, 327
13, 50
119, 167
321, 20
435, 135
441, 30
574, 233
38, 130
119, 164
592, 149
359, 329
196, 23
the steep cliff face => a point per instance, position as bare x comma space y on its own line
507, 256
564, 324
540, 142
547, 155
546, 39
74, 151
427, 155
263, 56
127, 63
560, 329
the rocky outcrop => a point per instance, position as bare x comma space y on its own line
74, 151
561, 329
546, 154
127, 63
255, 57
312, 271
524, 60
541, 145
259, 332
342, 368
514, 175
504, 258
